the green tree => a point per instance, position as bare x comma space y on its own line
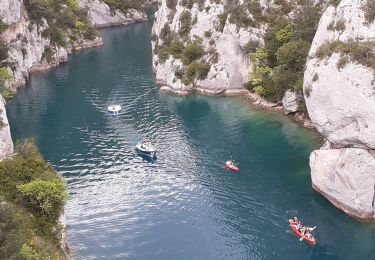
45, 197
5, 75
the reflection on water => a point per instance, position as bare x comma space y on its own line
184, 205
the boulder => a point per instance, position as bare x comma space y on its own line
290, 102
346, 177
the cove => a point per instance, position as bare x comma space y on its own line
184, 205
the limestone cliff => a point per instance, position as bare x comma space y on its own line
230, 65
340, 97
101, 14
28, 44
6, 144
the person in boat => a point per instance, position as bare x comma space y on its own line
297, 223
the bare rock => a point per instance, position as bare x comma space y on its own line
346, 177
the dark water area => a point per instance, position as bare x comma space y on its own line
184, 205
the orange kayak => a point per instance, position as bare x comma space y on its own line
310, 240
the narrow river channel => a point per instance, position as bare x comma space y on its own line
184, 205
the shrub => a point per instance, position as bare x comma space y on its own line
369, 9
163, 54
29, 252
3, 26
185, 23
207, 34
64, 17
5, 76
191, 52
251, 46
341, 63
260, 90
44, 197
360, 52
11, 237
3, 52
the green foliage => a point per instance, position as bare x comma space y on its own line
5, 76
65, 19
280, 64
44, 197
3, 52
360, 52
334, 2
207, 34
370, 11
26, 232
185, 23
284, 34
261, 69
3, 26
251, 46
125, 5
11, 235
338, 25
260, 90
341, 63
192, 52
29, 253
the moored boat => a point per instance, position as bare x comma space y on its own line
309, 238
146, 148
114, 109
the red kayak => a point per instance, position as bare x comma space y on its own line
231, 166
310, 240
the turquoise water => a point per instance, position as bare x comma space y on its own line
184, 205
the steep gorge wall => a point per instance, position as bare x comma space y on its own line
229, 71
340, 97
101, 14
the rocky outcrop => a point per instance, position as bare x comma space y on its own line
341, 104
27, 45
231, 69
346, 177
6, 144
290, 102
102, 16
10, 10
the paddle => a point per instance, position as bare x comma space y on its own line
311, 229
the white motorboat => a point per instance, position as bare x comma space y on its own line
114, 109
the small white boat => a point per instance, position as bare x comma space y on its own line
146, 148
114, 109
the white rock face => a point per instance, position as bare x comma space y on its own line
290, 102
6, 143
10, 10
102, 16
231, 70
341, 104
346, 177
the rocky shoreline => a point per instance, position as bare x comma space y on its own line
251, 97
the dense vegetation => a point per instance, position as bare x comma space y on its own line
31, 199
279, 64
66, 21
5, 74
370, 11
190, 52
352, 50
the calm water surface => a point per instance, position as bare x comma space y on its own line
184, 205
